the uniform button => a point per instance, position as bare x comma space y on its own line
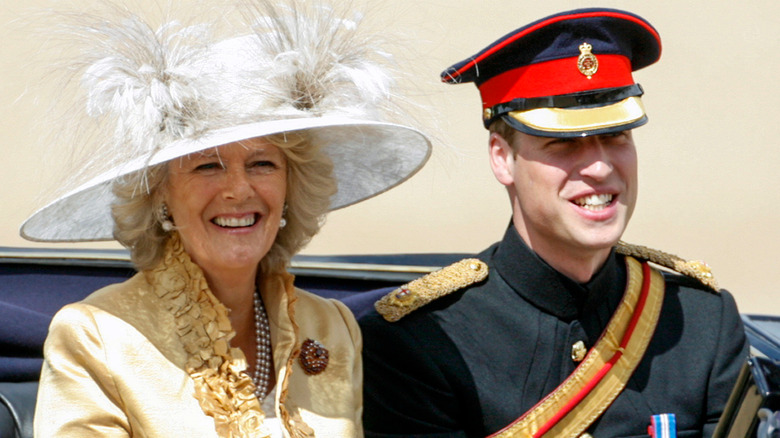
578, 351
403, 294
586, 435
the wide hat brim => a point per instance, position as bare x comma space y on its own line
368, 158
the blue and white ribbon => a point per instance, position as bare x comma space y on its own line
663, 426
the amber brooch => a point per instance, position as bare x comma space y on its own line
314, 357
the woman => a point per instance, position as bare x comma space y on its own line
225, 158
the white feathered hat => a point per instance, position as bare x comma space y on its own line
172, 91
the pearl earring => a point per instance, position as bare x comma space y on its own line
166, 223
283, 221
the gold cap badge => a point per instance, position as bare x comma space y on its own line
587, 63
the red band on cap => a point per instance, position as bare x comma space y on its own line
553, 78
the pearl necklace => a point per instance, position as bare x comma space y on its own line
262, 373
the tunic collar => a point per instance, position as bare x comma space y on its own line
539, 283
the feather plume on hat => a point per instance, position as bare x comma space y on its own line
158, 94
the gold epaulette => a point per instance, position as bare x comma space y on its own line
423, 290
692, 268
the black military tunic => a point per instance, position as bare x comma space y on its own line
470, 363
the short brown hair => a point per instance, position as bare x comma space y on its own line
503, 129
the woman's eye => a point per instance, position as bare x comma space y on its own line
207, 166
264, 164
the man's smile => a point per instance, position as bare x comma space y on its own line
594, 202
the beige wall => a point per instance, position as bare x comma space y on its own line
708, 157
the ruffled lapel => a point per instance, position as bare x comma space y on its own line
223, 390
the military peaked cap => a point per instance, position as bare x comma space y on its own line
567, 75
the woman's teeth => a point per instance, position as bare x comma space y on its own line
235, 222
594, 202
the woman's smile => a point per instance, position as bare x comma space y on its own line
242, 221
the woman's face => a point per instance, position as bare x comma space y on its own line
227, 202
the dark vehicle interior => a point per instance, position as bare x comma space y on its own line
35, 283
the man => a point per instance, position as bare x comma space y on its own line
559, 329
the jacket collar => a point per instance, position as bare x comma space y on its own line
539, 283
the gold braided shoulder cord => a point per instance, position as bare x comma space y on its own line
423, 290
692, 268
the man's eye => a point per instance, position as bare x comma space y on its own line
560, 143
615, 134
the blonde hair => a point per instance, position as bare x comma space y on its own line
138, 215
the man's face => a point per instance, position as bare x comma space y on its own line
574, 195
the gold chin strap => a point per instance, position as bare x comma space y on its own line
626, 111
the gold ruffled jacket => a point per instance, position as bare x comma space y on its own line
151, 357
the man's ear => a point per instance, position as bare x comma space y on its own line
502, 159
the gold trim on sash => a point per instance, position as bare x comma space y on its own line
602, 375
